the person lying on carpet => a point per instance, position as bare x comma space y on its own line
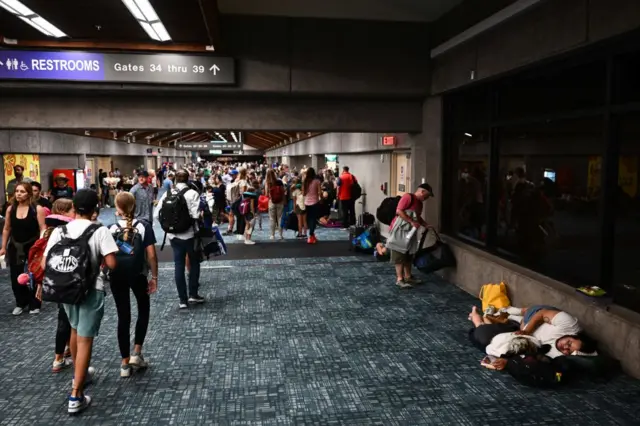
553, 327
500, 340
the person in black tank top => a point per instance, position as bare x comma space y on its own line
22, 228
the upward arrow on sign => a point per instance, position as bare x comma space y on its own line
214, 69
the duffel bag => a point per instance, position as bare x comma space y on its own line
433, 258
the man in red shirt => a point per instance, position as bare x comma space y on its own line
403, 261
347, 204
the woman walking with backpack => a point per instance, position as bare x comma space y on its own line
137, 255
62, 213
23, 225
274, 189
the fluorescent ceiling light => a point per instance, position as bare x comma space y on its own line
468, 135
147, 27
30, 17
41, 22
161, 31
233, 135
148, 19
133, 8
17, 8
34, 25
148, 10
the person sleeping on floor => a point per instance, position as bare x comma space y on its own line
527, 330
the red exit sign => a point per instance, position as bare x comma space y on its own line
389, 140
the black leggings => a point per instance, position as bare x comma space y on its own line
63, 332
24, 297
123, 306
312, 218
482, 336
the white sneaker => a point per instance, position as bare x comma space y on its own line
125, 370
273, 237
249, 242
137, 360
88, 378
17, 311
76, 405
183, 306
58, 366
34, 311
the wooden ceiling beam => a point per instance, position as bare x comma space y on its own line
106, 45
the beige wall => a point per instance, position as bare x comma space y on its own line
552, 28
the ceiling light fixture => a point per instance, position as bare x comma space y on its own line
221, 137
30, 17
469, 135
148, 19
235, 138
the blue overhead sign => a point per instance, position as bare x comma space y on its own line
160, 68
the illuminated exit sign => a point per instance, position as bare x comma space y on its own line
389, 141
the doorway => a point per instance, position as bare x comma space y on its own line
401, 175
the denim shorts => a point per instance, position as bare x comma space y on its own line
532, 310
86, 317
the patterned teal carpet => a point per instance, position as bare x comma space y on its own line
324, 341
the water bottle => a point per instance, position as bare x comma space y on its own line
124, 247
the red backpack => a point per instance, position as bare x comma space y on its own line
263, 204
276, 193
34, 261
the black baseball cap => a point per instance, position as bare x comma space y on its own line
427, 187
143, 173
86, 202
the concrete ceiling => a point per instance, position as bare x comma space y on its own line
376, 10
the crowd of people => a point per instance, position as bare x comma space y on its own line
57, 251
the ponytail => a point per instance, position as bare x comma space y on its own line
129, 226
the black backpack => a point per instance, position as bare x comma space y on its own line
538, 371
174, 214
356, 190
130, 258
68, 274
387, 210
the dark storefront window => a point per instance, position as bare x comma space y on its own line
548, 213
626, 280
542, 169
470, 183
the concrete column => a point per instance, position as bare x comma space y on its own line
426, 156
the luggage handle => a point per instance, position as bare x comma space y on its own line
424, 237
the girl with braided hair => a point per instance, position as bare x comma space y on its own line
137, 256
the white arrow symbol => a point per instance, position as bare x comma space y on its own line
214, 69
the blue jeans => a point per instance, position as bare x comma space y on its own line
182, 249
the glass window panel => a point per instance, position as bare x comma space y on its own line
548, 215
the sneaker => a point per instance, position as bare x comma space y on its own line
88, 378
183, 306
67, 352
125, 370
58, 366
137, 360
412, 281
249, 242
403, 285
78, 404
17, 311
273, 237
34, 311
197, 299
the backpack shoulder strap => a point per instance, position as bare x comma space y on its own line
91, 229
184, 191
